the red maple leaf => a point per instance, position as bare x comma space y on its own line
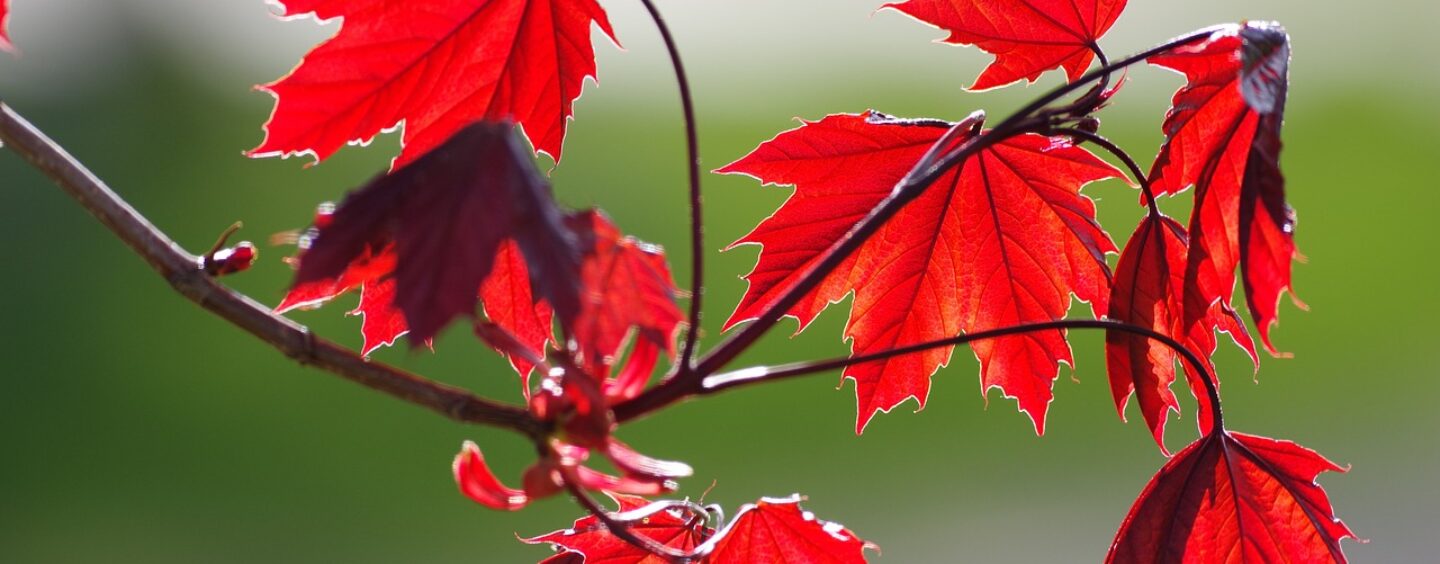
590, 541
448, 215
626, 286
774, 530
1004, 238
1230, 497
1149, 291
779, 531
510, 302
1027, 37
5, 26
434, 66
1223, 137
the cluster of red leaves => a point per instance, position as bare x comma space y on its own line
464, 225
769, 530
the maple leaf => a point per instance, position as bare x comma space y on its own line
1234, 497
1027, 37
779, 531
1004, 238
448, 214
774, 530
1223, 137
433, 66
1149, 291
510, 302
590, 541
626, 285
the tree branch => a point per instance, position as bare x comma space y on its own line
186, 275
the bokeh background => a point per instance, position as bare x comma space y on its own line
135, 427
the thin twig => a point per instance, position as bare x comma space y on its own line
185, 273
720, 382
1110, 146
617, 527
697, 219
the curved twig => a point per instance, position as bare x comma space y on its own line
186, 274
618, 527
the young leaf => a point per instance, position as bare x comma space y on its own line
590, 541
1004, 238
626, 285
1223, 137
448, 214
1149, 291
433, 66
1027, 37
778, 531
1234, 498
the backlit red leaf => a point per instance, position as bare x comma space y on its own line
1223, 137
433, 66
1230, 497
1002, 239
590, 541
775, 531
1027, 37
510, 302
626, 286
5, 26
779, 531
448, 214
1149, 291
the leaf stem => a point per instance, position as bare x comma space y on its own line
617, 526
1110, 146
697, 219
186, 275
687, 384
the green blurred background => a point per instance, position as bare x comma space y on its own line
137, 427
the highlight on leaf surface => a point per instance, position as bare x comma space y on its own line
1232, 497
773, 530
1003, 238
1027, 37
432, 67
1222, 136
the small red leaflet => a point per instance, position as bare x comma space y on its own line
433, 67
1027, 37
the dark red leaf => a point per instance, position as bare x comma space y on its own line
626, 286
448, 214
589, 539
1230, 497
433, 67
779, 531
1027, 37
1004, 238
1223, 137
1149, 290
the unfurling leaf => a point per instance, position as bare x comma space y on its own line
1223, 137
1230, 497
1004, 238
1027, 37
433, 67
448, 214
